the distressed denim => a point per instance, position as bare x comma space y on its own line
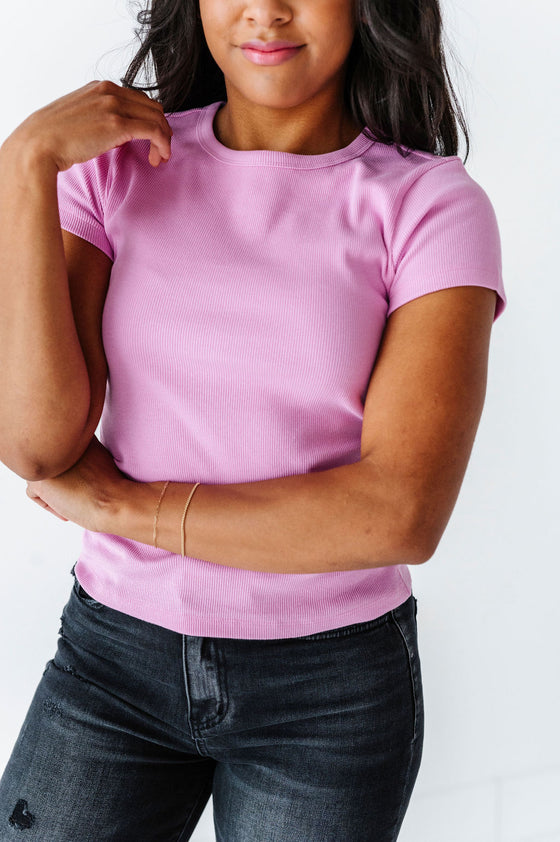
133, 726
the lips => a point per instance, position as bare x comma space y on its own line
270, 53
270, 46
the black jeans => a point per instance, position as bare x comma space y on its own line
133, 726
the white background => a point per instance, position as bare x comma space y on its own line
488, 599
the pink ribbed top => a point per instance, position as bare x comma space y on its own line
248, 296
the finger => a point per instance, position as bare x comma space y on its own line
132, 103
131, 94
47, 508
160, 143
155, 157
52, 511
143, 111
156, 131
35, 499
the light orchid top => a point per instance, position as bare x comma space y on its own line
247, 299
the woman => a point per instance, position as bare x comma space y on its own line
275, 287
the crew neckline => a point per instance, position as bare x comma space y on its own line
271, 157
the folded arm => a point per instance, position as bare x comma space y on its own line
421, 414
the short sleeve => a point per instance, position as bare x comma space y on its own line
81, 193
445, 234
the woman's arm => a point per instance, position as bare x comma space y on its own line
421, 414
49, 404
46, 408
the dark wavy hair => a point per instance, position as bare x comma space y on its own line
397, 83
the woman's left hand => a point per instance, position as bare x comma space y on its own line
87, 494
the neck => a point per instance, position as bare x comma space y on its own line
309, 130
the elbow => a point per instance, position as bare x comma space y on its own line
419, 551
419, 534
33, 467
41, 450
35, 472
407, 516
30, 469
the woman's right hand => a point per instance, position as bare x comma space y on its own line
91, 120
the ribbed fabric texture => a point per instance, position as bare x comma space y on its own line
247, 300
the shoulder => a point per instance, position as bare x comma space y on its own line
439, 225
186, 121
132, 158
404, 191
122, 165
411, 188
396, 174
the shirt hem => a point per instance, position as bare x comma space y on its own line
269, 629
